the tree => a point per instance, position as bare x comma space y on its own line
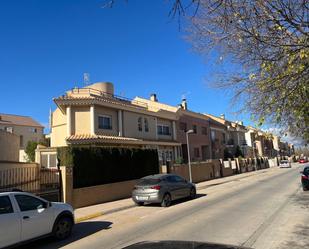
30, 150
270, 40
238, 152
227, 154
31, 146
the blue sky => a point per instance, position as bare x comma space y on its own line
46, 46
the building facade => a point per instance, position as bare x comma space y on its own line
95, 115
235, 140
26, 128
199, 138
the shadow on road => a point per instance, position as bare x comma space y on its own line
301, 232
80, 231
302, 199
176, 202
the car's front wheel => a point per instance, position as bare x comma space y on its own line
139, 203
166, 200
192, 193
63, 228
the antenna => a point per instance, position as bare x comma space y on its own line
86, 79
185, 94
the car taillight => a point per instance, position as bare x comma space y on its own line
304, 177
156, 187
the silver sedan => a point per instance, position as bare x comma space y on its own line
163, 189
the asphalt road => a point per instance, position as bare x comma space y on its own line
267, 210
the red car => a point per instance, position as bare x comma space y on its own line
302, 160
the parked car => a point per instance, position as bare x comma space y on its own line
25, 217
285, 164
305, 178
302, 160
163, 189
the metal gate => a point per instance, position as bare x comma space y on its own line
44, 182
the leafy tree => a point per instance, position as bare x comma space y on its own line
270, 40
238, 152
227, 154
30, 150
31, 146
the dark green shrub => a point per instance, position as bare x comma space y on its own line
100, 165
238, 152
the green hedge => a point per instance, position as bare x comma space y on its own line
99, 165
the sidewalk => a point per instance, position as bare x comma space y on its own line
90, 212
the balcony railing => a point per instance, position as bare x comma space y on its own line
98, 93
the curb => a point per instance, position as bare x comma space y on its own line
232, 180
101, 213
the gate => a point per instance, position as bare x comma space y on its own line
44, 182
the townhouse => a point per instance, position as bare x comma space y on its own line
25, 127
94, 115
199, 138
234, 138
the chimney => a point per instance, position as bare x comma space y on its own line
184, 104
153, 97
222, 116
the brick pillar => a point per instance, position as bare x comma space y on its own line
67, 184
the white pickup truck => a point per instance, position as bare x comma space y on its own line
24, 217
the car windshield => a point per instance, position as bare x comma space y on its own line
148, 181
284, 161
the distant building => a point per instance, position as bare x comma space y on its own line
25, 127
235, 135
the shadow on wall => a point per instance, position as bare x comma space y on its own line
80, 231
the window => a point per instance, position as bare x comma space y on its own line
21, 141
9, 129
33, 130
146, 124
204, 131
139, 124
194, 128
105, 122
174, 179
183, 126
26, 202
170, 179
164, 130
196, 152
5, 205
179, 179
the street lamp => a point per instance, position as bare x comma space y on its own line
188, 149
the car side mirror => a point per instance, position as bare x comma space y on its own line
46, 204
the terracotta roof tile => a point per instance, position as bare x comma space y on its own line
93, 137
10, 119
